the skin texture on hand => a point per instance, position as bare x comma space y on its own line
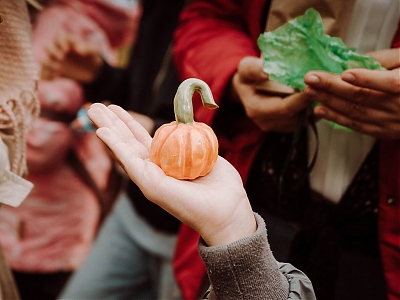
215, 205
268, 112
364, 100
145, 121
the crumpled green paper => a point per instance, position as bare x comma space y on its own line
300, 45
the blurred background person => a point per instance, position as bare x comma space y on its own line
48, 237
340, 223
139, 265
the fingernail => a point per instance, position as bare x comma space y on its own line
348, 77
312, 79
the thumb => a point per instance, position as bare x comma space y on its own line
250, 70
388, 58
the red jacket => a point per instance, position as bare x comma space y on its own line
219, 34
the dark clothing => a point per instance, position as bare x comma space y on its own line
319, 237
147, 86
311, 233
44, 286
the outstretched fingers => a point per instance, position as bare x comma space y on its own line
137, 130
388, 58
325, 87
130, 153
363, 100
103, 117
127, 157
384, 81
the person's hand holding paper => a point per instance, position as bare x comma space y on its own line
300, 46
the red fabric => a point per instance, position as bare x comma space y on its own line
396, 38
230, 44
239, 148
208, 25
188, 267
389, 215
54, 228
119, 24
104, 25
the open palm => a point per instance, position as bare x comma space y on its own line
215, 205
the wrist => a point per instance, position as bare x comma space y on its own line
240, 225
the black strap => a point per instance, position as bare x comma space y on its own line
57, 116
295, 140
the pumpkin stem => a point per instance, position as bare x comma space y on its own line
183, 106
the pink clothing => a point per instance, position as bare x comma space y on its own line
106, 26
53, 229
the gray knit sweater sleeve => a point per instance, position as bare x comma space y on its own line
246, 269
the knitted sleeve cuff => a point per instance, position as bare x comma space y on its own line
245, 269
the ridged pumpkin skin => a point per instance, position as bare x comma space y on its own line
184, 151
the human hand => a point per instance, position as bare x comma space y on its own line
363, 100
144, 120
71, 57
268, 112
215, 205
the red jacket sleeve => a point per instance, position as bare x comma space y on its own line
209, 43
211, 39
389, 208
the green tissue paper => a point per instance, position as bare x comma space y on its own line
301, 45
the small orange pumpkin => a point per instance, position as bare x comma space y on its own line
186, 149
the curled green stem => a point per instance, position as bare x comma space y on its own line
183, 105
